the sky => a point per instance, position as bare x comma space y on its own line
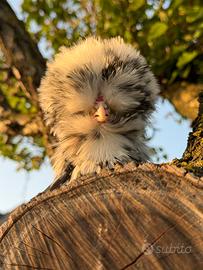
17, 187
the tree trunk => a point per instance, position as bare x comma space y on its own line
21, 52
137, 217
192, 159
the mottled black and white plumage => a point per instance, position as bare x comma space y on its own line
97, 97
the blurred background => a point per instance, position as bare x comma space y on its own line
168, 33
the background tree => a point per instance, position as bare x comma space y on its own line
169, 34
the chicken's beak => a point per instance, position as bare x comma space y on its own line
101, 114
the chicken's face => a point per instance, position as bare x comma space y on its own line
97, 98
101, 113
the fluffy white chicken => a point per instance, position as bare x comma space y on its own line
97, 97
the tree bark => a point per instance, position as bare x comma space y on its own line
21, 53
145, 217
192, 159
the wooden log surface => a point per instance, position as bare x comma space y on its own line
137, 217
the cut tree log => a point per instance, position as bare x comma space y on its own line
137, 217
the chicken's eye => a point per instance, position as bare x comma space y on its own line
79, 113
122, 117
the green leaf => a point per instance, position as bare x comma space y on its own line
157, 30
185, 58
194, 14
135, 5
173, 76
179, 48
176, 3
186, 72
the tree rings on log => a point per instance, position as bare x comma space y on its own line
136, 217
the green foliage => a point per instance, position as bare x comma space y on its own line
20, 137
157, 29
169, 33
59, 23
185, 58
